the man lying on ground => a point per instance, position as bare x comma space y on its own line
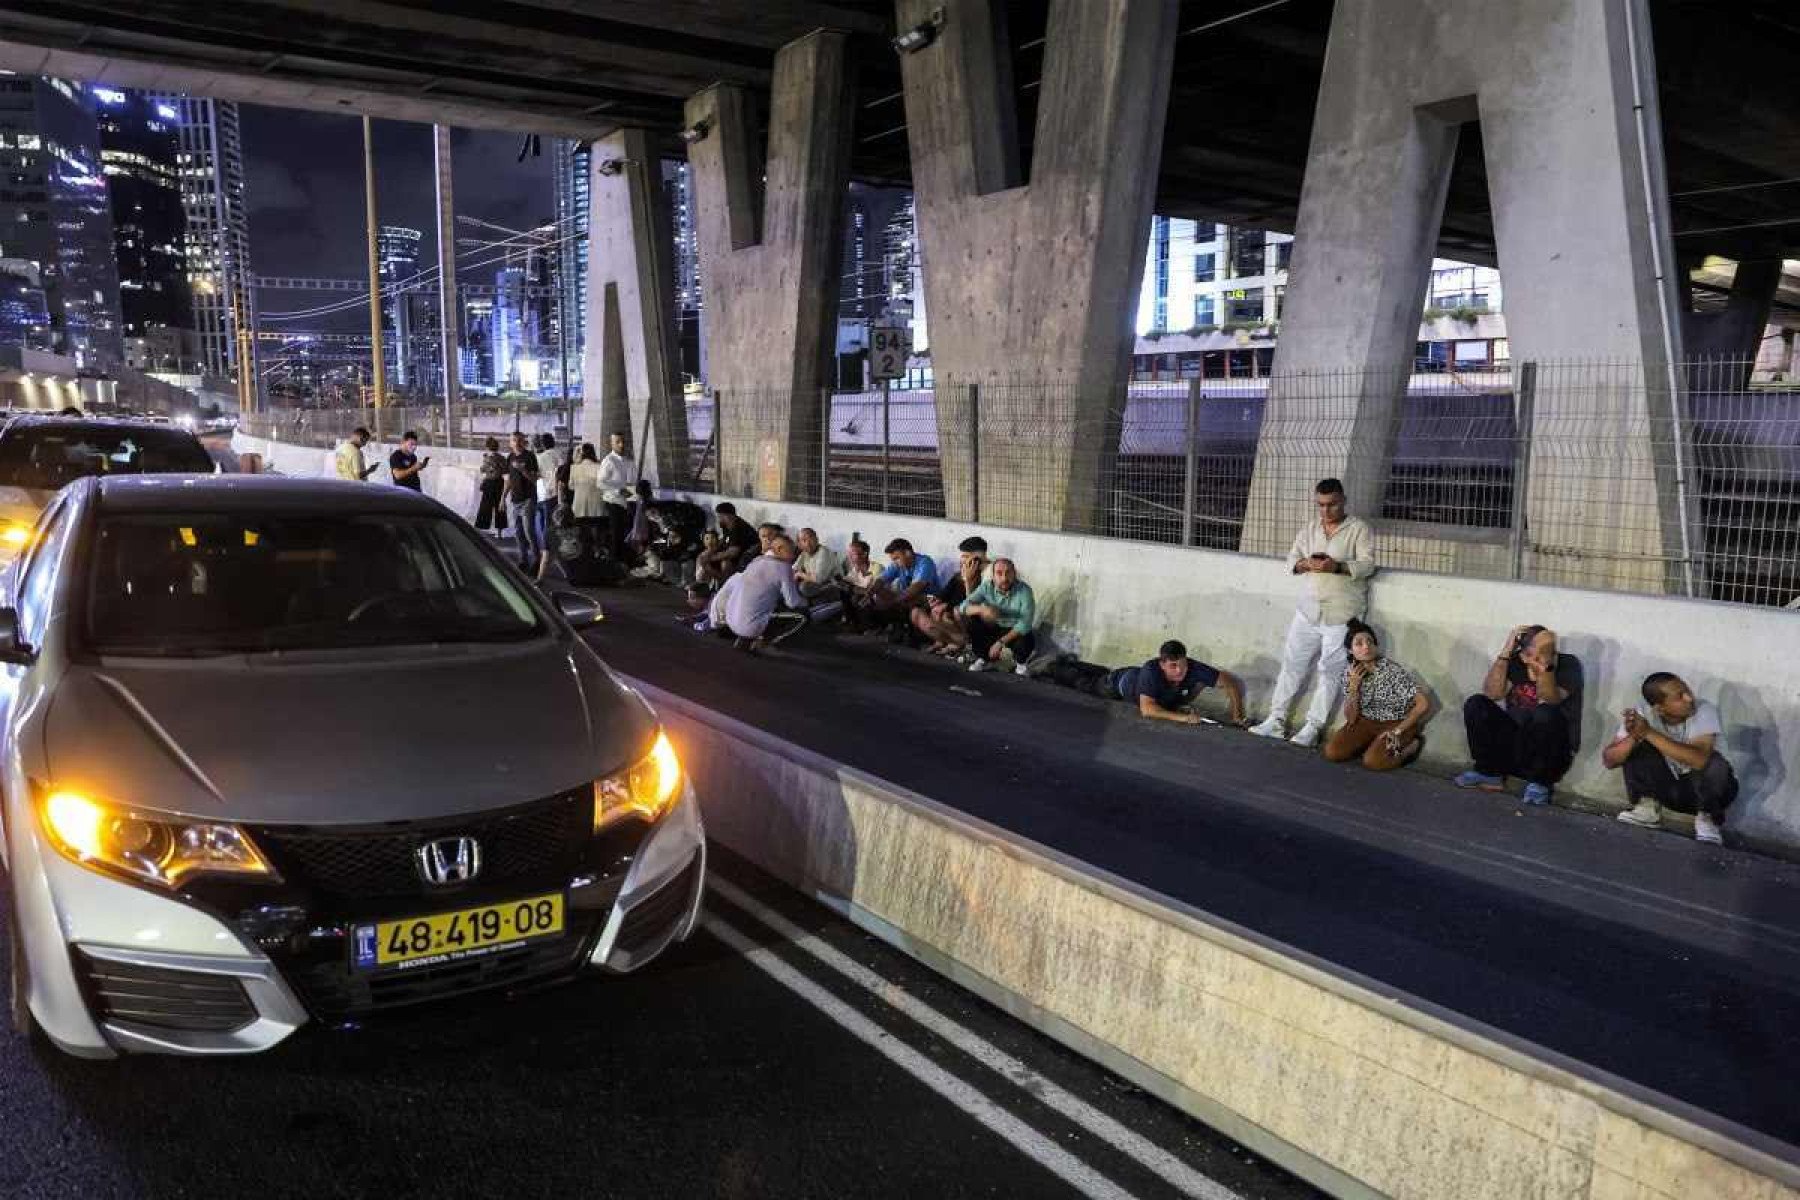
1162, 688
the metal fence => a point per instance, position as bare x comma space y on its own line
467, 426
1588, 474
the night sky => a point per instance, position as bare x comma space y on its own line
304, 176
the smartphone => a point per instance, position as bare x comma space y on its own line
1318, 556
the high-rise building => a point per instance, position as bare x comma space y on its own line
397, 251
24, 312
509, 341
574, 162
478, 344
690, 338
210, 160
139, 147
900, 255
55, 221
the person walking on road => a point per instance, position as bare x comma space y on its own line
404, 464
347, 459
490, 511
1527, 719
1335, 554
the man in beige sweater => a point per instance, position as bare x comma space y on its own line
1334, 555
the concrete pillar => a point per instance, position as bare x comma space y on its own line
1035, 280
629, 368
770, 234
1579, 203
1723, 346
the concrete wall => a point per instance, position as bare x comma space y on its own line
1360, 1091
1580, 223
1113, 601
769, 233
630, 358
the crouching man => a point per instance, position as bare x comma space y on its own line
1673, 755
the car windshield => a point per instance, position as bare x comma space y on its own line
194, 584
49, 456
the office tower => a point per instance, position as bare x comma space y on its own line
210, 160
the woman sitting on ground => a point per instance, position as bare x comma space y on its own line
1384, 707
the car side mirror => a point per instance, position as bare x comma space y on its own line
577, 608
12, 649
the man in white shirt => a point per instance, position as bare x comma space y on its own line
816, 568
745, 608
1335, 555
618, 473
1674, 755
347, 459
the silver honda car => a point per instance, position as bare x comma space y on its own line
279, 750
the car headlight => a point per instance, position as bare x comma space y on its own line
14, 534
150, 847
647, 788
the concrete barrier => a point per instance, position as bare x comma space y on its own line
1360, 1091
1114, 601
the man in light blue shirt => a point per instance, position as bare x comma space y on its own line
909, 580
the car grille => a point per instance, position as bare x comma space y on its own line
333, 992
187, 1001
544, 838
650, 920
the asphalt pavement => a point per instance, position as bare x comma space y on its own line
1672, 965
779, 1053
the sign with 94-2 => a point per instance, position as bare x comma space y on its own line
889, 348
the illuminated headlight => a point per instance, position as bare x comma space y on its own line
14, 535
647, 788
146, 846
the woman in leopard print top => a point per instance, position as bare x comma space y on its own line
1384, 707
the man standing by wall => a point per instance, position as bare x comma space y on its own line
347, 460
1335, 555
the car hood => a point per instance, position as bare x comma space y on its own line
391, 737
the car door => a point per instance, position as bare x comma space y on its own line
29, 588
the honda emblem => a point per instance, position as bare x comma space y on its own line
449, 860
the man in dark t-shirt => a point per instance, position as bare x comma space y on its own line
405, 464
1162, 688
1526, 721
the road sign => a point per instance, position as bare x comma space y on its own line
889, 348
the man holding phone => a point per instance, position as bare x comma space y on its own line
1334, 555
405, 464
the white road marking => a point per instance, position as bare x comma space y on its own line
1029, 1141
1178, 1174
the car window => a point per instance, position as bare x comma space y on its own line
205, 583
50, 456
37, 574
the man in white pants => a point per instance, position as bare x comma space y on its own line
1335, 553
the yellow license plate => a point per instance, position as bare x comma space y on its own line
454, 936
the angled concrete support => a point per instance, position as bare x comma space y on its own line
1035, 279
1724, 345
769, 236
1566, 95
629, 364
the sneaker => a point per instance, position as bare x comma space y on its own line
1022, 669
981, 664
1647, 813
1706, 829
1308, 735
1536, 793
1487, 783
1271, 728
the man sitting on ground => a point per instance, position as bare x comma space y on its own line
909, 580
1674, 755
746, 607
736, 542
1527, 719
815, 570
999, 618
939, 620
1163, 688
856, 579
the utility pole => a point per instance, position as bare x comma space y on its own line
379, 364
449, 319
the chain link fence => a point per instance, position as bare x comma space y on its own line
1586, 474
467, 426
